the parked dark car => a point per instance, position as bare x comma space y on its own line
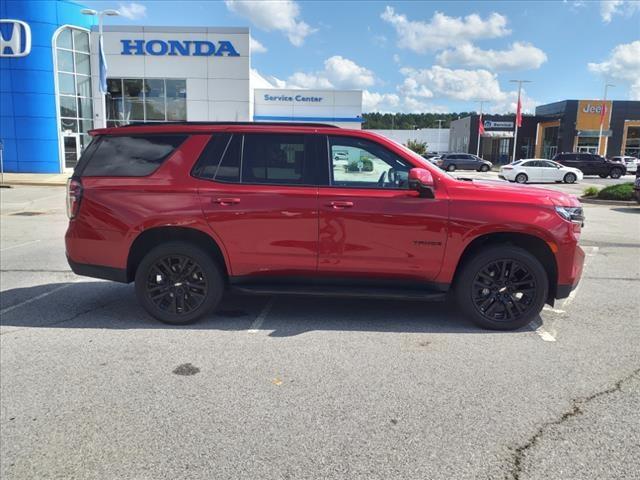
592, 164
463, 161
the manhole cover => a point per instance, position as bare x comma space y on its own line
27, 214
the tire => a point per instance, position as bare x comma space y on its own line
451, 168
570, 178
503, 304
615, 173
484, 168
197, 298
522, 178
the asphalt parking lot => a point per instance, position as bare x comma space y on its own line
287, 387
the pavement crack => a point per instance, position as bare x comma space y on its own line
576, 409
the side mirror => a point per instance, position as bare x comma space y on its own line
421, 180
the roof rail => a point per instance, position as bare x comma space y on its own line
266, 124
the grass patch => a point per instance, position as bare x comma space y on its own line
590, 192
624, 191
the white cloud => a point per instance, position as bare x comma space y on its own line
393, 103
338, 72
282, 16
255, 46
623, 65
519, 56
454, 84
443, 31
132, 11
611, 8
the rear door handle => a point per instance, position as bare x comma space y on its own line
340, 204
226, 201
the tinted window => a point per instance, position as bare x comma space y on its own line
229, 168
130, 156
209, 160
277, 158
365, 165
529, 164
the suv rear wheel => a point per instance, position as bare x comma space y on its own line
178, 282
615, 172
451, 168
502, 288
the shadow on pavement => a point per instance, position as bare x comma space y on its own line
106, 305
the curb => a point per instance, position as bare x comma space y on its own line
620, 203
34, 184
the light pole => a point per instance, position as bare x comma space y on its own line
101, 61
480, 120
439, 127
518, 115
602, 114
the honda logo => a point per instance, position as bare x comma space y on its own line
15, 38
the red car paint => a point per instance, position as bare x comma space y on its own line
315, 230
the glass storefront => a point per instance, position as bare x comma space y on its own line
632, 144
73, 72
587, 144
145, 100
550, 142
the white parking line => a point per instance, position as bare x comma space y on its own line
544, 335
593, 251
257, 323
34, 299
19, 245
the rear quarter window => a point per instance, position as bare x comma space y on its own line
129, 155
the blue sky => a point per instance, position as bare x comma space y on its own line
427, 56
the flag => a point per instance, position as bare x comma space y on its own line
603, 112
519, 112
480, 126
103, 67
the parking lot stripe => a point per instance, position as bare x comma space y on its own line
257, 323
19, 245
544, 335
34, 299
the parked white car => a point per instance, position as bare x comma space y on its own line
630, 162
539, 170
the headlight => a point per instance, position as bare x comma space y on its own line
571, 214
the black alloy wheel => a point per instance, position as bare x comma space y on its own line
502, 288
177, 283
570, 178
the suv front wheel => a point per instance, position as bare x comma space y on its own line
502, 288
177, 283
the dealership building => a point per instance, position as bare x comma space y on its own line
566, 126
50, 94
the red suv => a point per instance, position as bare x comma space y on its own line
189, 210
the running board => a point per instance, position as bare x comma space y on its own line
345, 292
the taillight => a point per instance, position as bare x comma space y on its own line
74, 194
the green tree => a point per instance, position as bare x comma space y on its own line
417, 146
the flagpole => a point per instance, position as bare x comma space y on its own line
515, 134
479, 136
602, 114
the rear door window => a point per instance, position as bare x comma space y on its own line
130, 156
281, 159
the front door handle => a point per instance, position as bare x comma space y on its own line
340, 204
227, 201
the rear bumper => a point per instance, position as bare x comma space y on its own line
98, 271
